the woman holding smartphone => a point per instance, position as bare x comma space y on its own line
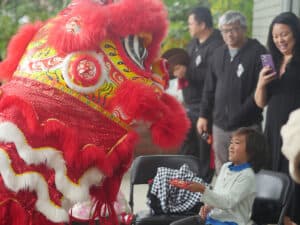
280, 90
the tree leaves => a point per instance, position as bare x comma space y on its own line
178, 13
14, 13
218, 7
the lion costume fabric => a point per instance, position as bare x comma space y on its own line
76, 86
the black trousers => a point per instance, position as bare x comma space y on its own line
196, 146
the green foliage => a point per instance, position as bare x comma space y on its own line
178, 35
7, 28
14, 13
218, 7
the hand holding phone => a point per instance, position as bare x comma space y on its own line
179, 183
267, 60
206, 137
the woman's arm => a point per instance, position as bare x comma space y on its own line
260, 95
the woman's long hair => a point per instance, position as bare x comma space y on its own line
291, 20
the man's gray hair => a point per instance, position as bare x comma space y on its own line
232, 17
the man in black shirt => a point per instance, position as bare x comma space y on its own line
205, 39
230, 85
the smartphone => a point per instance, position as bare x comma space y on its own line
206, 137
267, 60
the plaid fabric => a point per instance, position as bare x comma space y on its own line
173, 199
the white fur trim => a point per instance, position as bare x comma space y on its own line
52, 158
34, 182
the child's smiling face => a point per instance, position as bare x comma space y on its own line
237, 150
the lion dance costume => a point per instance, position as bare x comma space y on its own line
76, 86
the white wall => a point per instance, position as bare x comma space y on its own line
265, 10
296, 7
263, 13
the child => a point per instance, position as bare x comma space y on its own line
231, 200
178, 61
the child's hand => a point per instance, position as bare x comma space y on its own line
196, 187
204, 210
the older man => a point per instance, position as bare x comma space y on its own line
230, 84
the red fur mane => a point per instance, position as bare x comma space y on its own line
16, 49
108, 21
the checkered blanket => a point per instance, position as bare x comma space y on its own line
173, 199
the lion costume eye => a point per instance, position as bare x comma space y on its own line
105, 2
102, 2
134, 47
84, 71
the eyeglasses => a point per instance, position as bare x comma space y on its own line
232, 30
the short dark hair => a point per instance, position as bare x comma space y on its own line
256, 147
176, 56
291, 20
202, 14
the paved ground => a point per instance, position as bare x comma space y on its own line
139, 190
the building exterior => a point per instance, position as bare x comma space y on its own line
265, 10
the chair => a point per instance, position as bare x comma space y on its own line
143, 169
273, 191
